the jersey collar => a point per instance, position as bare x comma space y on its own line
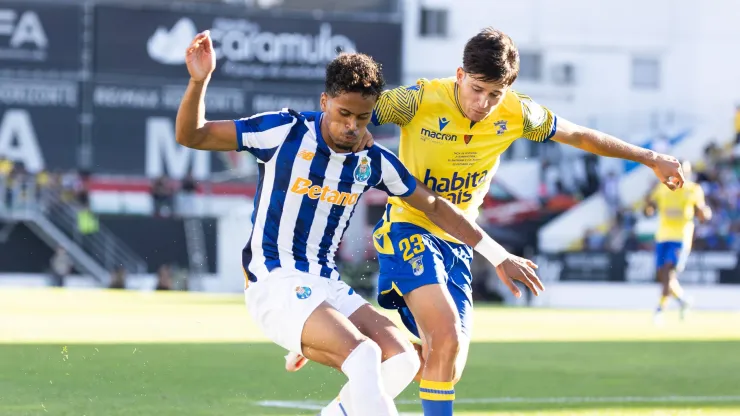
459, 107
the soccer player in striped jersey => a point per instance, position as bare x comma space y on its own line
310, 182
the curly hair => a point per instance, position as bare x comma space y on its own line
491, 56
354, 72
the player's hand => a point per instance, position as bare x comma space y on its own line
200, 57
668, 170
365, 141
517, 268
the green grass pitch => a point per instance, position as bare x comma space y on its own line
89, 352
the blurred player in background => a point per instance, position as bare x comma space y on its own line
676, 211
453, 131
310, 182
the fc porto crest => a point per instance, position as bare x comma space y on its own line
417, 266
501, 124
302, 292
363, 170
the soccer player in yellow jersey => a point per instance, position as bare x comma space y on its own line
676, 211
453, 132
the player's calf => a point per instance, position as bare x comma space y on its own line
399, 365
438, 320
341, 345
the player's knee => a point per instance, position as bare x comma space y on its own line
398, 371
408, 363
366, 350
444, 343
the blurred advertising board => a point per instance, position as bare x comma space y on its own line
39, 123
40, 37
152, 42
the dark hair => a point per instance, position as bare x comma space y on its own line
491, 56
354, 72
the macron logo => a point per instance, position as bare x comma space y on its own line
168, 46
443, 122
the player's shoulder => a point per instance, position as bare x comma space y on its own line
271, 119
693, 186
518, 100
378, 150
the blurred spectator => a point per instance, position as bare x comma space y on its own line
6, 167
561, 200
593, 241
592, 182
118, 278
72, 186
87, 221
737, 124
61, 267
162, 196
164, 278
186, 197
610, 189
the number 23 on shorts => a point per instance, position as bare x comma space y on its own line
411, 246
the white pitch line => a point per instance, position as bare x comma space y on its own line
318, 405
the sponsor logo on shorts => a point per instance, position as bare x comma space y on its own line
302, 292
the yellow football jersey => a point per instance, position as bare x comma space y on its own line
676, 211
452, 155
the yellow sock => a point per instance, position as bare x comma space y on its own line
663, 301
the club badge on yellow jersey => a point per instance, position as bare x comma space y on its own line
453, 156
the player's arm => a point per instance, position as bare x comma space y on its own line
666, 168
450, 218
397, 181
194, 131
191, 128
397, 106
703, 211
260, 134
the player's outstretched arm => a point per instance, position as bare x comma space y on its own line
191, 128
450, 219
666, 168
703, 211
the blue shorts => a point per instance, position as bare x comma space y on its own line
411, 257
670, 252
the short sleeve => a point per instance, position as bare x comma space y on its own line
263, 133
538, 122
395, 179
398, 105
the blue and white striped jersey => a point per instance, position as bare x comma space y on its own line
307, 193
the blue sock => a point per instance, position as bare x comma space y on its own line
437, 397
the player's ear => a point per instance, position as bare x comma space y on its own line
460, 75
323, 101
